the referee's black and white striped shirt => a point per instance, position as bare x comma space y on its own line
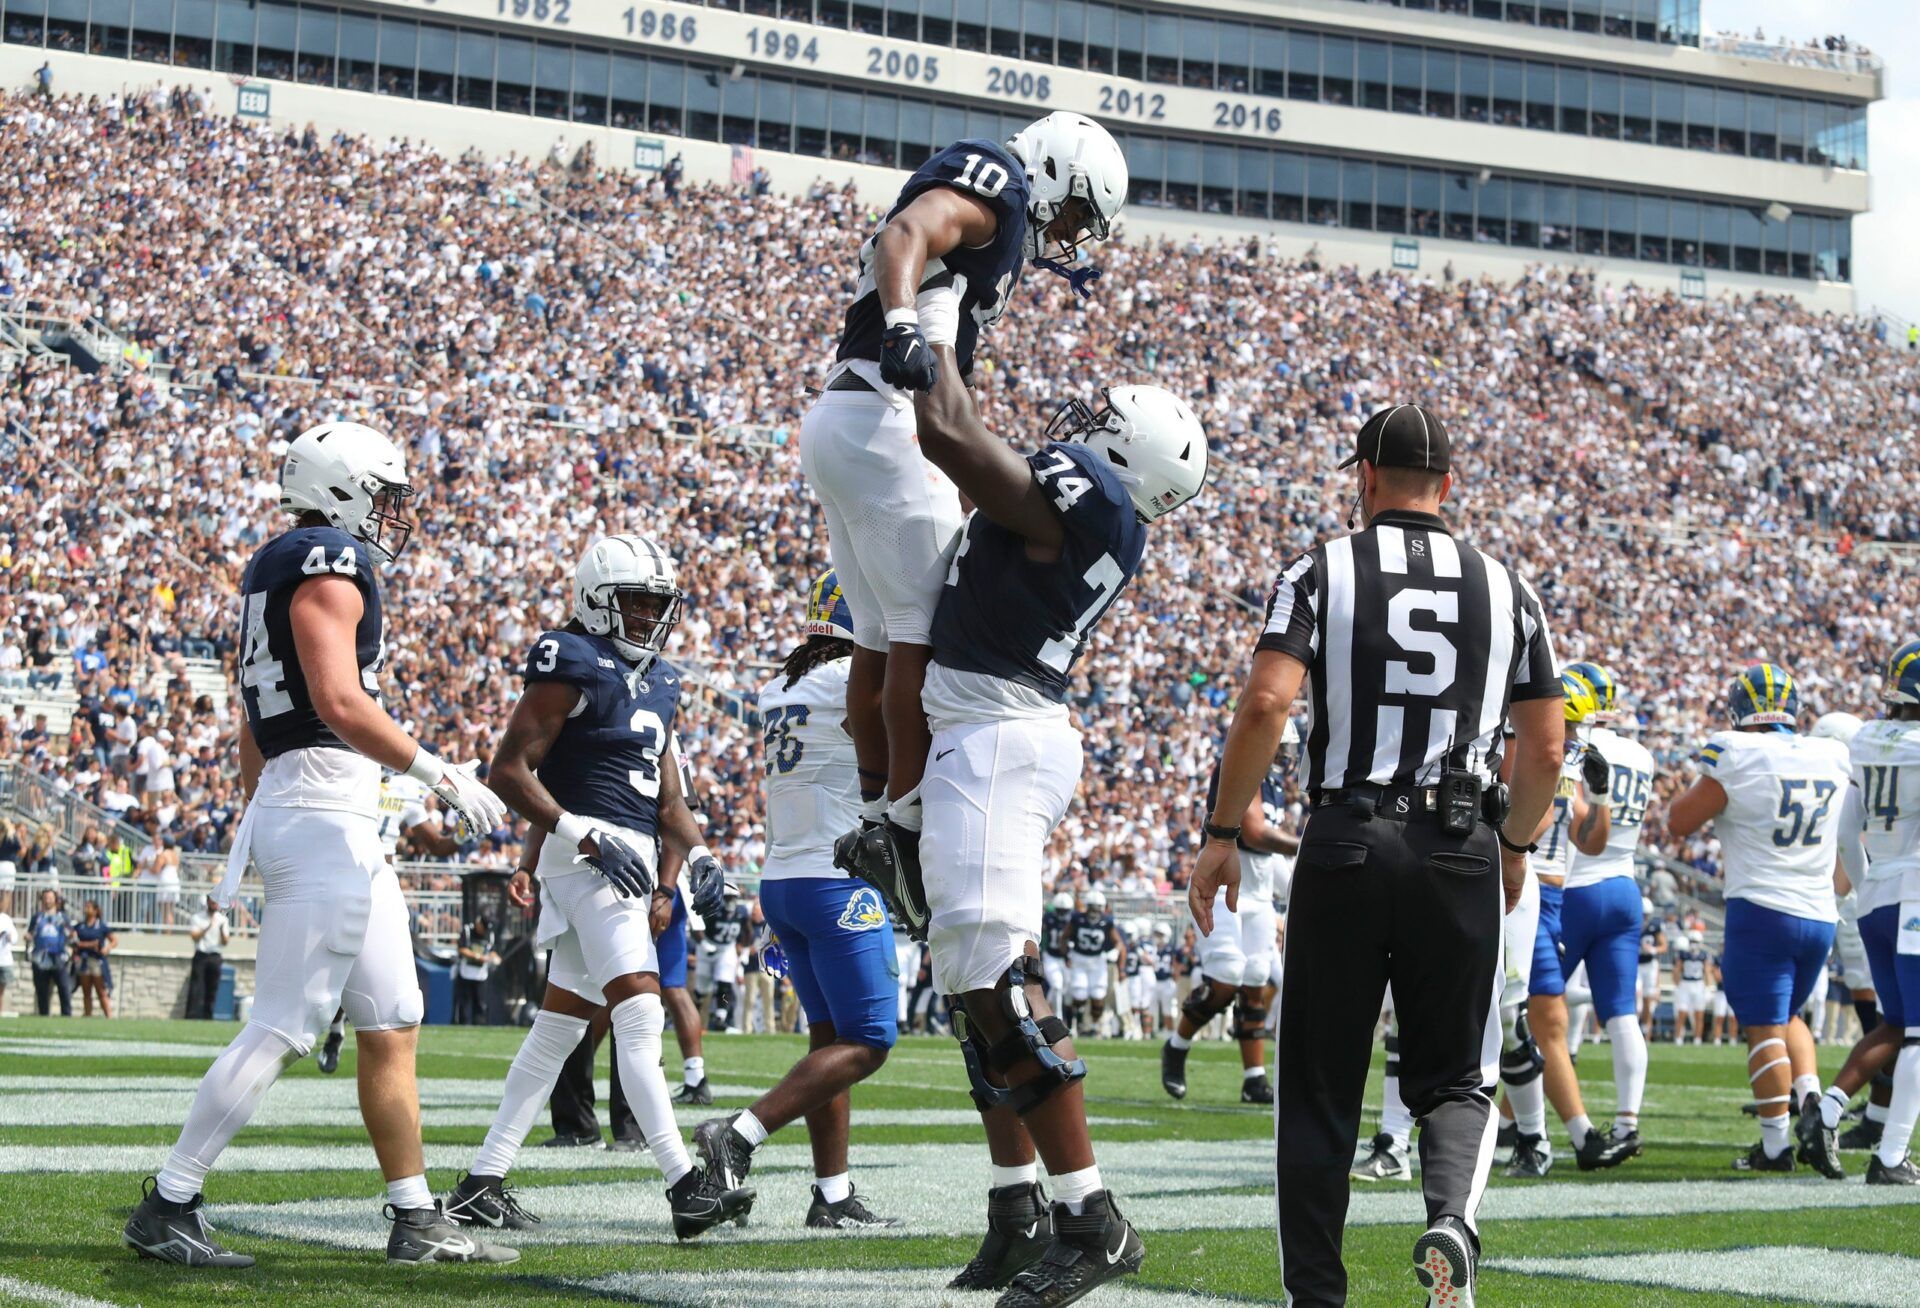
1415, 644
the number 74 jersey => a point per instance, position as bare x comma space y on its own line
1780, 832
606, 761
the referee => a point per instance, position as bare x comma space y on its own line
1418, 647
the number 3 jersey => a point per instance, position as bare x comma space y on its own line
1630, 787
1008, 628
1779, 834
307, 765
980, 277
606, 761
813, 789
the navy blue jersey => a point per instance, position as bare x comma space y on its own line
605, 763
1273, 799
736, 922
1004, 615
1651, 942
1164, 960
279, 708
982, 277
1693, 964
1053, 931
1138, 952
1091, 933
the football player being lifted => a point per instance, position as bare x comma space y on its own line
1236, 957
940, 269
312, 742
587, 760
832, 929
1054, 539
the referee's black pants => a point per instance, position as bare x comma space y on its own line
1376, 901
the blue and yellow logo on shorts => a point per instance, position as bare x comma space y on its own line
864, 911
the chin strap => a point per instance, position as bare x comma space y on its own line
1081, 279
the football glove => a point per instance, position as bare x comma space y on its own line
476, 810
709, 889
906, 360
620, 864
1597, 777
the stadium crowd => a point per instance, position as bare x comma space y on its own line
1691, 484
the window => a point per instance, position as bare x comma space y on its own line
1407, 89
1636, 109
628, 102
1289, 187
1556, 217
1373, 74
474, 84
512, 75
1603, 105
1234, 56
1146, 171
883, 130
970, 24
233, 37
1702, 132
1683, 232
552, 80
916, 131
1323, 191
1747, 234
810, 116
1457, 206
1269, 62
1490, 218
1423, 214
846, 122
1524, 213
1253, 181
399, 50
1356, 194
1790, 118
1621, 228
1669, 114
1590, 221
1070, 42
1509, 85
192, 32
1219, 173
1730, 111
1183, 177
1573, 101
1390, 198
775, 122
1129, 40
1716, 236
1163, 48
107, 33
1303, 68
152, 38
703, 108
590, 71
1476, 105
1003, 28
1037, 20
903, 24
1442, 99
936, 23
1196, 51
319, 41
1336, 70
666, 99
868, 19
1540, 113
359, 51
1100, 39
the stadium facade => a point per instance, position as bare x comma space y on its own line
1480, 135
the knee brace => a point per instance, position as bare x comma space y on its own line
1521, 1062
1201, 1007
1031, 1037
1250, 1020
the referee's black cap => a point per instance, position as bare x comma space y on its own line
1404, 436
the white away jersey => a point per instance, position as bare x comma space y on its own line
1886, 768
403, 806
813, 791
1780, 831
1630, 789
1554, 856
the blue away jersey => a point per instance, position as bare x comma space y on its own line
272, 684
1004, 615
983, 278
606, 761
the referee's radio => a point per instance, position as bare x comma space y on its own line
1459, 801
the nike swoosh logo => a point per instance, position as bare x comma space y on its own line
1113, 1254
911, 347
943, 753
1032, 1229
460, 1245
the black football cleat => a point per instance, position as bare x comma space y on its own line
486, 1201
1444, 1262
1901, 1173
700, 1203
698, 1093
848, 1214
726, 1152
887, 857
1530, 1161
1173, 1070
1757, 1159
1019, 1229
565, 1141
328, 1059
426, 1235
1089, 1249
178, 1233
1509, 1135
1603, 1149
1256, 1090
1819, 1146
1863, 1134
1627, 1141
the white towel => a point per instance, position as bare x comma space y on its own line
229, 887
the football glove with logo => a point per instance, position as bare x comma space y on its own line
620, 864
709, 888
906, 360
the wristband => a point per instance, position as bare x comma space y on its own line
1512, 848
426, 768
697, 853
572, 830
1225, 835
1596, 799
897, 316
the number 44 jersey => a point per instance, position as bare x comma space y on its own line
1779, 834
1013, 626
606, 761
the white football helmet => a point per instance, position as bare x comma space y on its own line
355, 478
1837, 726
1162, 931
1096, 901
1063, 901
1149, 437
614, 572
1068, 156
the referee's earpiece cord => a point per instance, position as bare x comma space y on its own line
1353, 514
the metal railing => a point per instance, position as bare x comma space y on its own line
35, 799
1796, 56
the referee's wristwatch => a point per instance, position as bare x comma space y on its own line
1512, 848
1225, 835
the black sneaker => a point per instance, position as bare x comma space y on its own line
1256, 1090
1173, 1070
427, 1235
887, 857
1757, 1159
700, 1203
1019, 1229
1628, 1141
728, 1155
1089, 1249
1902, 1173
1385, 1161
1863, 1134
486, 1201
1819, 1146
698, 1093
1531, 1160
1508, 1136
566, 1141
847, 1215
172, 1232
1444, 1261
1603, 1150
328, 1059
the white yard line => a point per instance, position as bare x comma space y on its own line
1812, 1275
14, 1289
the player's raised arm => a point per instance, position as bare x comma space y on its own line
987, 470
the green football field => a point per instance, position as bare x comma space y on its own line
86, 1110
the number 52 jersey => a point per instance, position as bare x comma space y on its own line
605, 763
1779, 833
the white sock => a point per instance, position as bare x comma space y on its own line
833, 1189
1530, 1106
1395, 1120
749, 1128
1072, 1188
1249, 1073
1629, 1069
1833, 1106
228, 1095
1905, 1108
1025, 1174
1776, 1134
530, 1081
637, 1024
1877, 1112
693, 1070
905, 811
1179, 1041
409, 1192
872, 810
1804, 1086
338, 1026
1579, 1128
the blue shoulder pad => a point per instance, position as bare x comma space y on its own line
569, 657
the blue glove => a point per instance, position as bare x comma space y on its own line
709, 889
906, 360
1080, 279
621, 865
772, 956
